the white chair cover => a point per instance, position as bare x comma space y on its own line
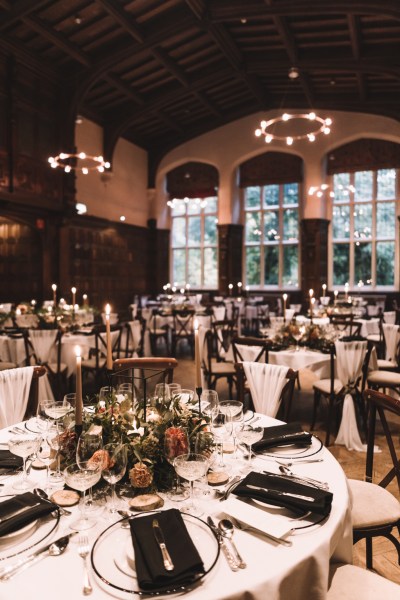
349, 362
136, 333
390, 317
15, 385
218, 312
289, 314
203, 353
266, 383
6, 307
391, 334
43, 341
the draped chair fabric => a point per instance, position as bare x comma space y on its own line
15, 385
266, 383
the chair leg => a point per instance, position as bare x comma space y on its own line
317, 398
368, 545
328, 424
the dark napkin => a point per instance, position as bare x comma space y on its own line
28, 499
150, 570
321, 504
281, 435
9, 460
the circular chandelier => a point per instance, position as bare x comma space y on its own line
69, 161
320, 190
317, 126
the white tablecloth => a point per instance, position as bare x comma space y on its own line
274, 571
12, 350
317, 362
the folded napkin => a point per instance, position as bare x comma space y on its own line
40, 508
281, 435
150, 570
9, 460
320, 500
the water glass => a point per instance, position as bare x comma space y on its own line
114, 468
191, 467
162, 392
82, 477
209, 403
174, 389
176, 443
24, 445
249, 435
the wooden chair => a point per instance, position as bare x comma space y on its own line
44, 348
158, 363
347, 581
223, 333
33, 402
143, 373
346, 325
158, 330
96, 364
376, 511
135, 332
286, 396
214, 369
243, 347
182, 330
334, 391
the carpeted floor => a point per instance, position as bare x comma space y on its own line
353, 463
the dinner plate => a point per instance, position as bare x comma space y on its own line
112, 556
35, 425
19, 535
293, 451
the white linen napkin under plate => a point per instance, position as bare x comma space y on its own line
274, 524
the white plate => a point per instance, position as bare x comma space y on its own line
124, 557
19, 535
294, 451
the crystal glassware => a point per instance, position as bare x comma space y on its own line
82, 477
191, 467
233, 409
176, 443
249, 435
24, 445
209, 402
162, 392
220, 428
46, 454
55, 439
114, 468
88, 444
174, 389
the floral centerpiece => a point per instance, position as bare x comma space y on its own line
148, 469
312, 336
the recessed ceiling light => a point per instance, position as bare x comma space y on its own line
78, 19
294, 73
122, 218
78, 120
244, 21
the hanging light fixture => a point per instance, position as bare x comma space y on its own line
317, 126
82, 162
320, 190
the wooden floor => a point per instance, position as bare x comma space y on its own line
353, 463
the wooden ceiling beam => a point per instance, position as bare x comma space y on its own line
19, 10
170, 65
125, 89
123, 18
29, 58
171, 123
355, 40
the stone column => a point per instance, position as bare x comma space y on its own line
230, 239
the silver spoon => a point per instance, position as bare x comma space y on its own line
227, 529
125, 514
54, 549
320, 484
42, 494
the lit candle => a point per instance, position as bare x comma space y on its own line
73, 291
54, 288
230, 288
284, 306
312, 302
85, 300
108, 338
323, 289
311, 294
239, 287
335, 293
197, 354
33, 303
346, 290
78, 397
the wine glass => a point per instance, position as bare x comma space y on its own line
45, 453
162, 392
24, 445
55, 438
249, 435
219, 427
114, 468
174, 389
88, 444
126, 390
186, 396
82, 477
106, 395
209, 402
42, 416
233, 409
191, 467
176, 443
71, 400
205, 445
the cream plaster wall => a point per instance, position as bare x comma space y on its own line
228, 146
121, 192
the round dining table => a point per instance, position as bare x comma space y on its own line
274, 570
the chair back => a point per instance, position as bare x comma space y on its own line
391, 338
271, 387
19, 394
223, 334
183, 323
135, 331
345, 324
382, 404
158, 363
250, 349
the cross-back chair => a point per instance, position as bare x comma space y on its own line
159, 330
223, 333
134, 342
345, 324
96, 364
182, 329
44, 348
214, 369
376, 511
250, 349
19, 392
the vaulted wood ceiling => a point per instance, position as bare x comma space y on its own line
160, 72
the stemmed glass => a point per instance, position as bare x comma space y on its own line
45, 453
162, 392
220, 429
176, 443
54, 438
205, 445
42, 416
209, 403
82, 477
114, 468
249, 435
88, 444
174, 389
126, 390
24, 445
233, 409
191, 467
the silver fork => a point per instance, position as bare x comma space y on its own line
83, 550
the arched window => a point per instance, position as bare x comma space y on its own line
364, 209
194, 217
271, 185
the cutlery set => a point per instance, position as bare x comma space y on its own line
227, 549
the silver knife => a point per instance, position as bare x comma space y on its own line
59, 546
278, 493
19, 511
158, 534
224, 547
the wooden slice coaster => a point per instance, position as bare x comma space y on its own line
146, 502
65, 497
217, 478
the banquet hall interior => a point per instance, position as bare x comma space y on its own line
171, 166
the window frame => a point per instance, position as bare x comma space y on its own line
280, 208
202, 246
373, 240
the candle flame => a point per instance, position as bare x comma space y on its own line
77, 351
108, 309
73, 290
54, 287
196, 325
